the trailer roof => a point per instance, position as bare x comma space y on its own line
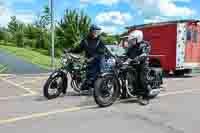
161, 23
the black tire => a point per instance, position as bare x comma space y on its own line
47, 87
98, 85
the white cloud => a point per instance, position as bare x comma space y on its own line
112, 21
113, 18
109, 29
6, 12
181, 0
149, 7
155, 19
167, 8
100, 2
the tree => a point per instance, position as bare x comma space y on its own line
5, 36
19, 35
30, 33
110, 39
13, 25
2, 32
72, 28
16, 29
42, 22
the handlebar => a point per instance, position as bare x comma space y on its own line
65, 51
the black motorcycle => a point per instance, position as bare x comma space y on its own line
112, 84
73, 67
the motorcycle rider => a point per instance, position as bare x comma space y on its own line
94, 49
137, 52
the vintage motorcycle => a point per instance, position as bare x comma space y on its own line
112, 84
72, 66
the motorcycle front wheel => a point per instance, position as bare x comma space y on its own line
53, 87
106, 91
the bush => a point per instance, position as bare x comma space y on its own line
29, 43
19, 38
42, 51
58, 52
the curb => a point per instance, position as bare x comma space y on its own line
39, 74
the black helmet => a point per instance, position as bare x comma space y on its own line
94, 28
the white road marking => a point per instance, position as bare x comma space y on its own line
20, 86
179, 92
39, 74
15, 97
31, 81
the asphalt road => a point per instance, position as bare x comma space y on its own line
17, 65
24, 109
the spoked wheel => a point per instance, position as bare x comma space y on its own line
106, 91
53, 87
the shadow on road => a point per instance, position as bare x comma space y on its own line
42, 98
183, 76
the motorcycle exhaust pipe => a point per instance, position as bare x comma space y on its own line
128, 91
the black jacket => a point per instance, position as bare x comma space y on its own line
91, 47
139, 52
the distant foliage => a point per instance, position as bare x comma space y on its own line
73, 27
110, 39
70, 30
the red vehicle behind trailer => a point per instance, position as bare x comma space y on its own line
175, 45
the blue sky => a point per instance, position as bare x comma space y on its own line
111, 15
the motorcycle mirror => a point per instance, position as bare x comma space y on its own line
65, 51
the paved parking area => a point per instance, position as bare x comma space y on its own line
24, 109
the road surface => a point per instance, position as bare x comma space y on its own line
17, 65
24, 110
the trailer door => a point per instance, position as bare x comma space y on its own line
192, 48
180, 45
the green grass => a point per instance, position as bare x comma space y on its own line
31, 56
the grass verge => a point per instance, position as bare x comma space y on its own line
31, 56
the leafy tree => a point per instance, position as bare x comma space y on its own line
13, 25
5, 36
16, 29
30, 33
110, 39
2, 32
72, 28
42, 22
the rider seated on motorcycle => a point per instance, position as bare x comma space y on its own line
137, 52
94, 49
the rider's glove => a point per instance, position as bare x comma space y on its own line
136, 60
90, 59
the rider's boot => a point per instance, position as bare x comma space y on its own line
143, 100
86, 88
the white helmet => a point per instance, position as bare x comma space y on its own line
136, 34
